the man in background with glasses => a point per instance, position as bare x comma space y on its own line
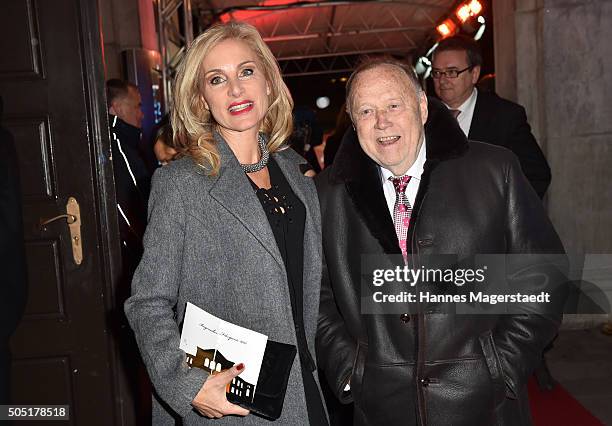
485, 116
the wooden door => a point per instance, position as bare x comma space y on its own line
52, 83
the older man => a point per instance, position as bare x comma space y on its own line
484, 116
403, 188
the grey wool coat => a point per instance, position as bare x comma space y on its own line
208, 242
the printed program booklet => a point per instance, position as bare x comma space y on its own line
216, 345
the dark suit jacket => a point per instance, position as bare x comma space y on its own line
501, 122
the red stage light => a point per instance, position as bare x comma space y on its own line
475, 7
463, 13
446, 28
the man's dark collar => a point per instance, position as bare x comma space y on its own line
126, 133
116, 122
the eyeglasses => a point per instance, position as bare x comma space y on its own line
452, 73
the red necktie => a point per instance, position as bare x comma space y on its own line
401, 211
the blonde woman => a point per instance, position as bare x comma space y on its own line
234, 228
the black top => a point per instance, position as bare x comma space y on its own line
287, 216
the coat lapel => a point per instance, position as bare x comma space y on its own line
288, 161
233, 191
480, 118
303, 187
369, 199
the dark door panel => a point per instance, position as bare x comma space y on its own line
52, 86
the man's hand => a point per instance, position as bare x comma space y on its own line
211, 400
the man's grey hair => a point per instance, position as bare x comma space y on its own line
384, 61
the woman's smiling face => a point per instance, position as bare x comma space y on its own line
235, 87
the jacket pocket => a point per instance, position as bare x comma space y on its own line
494, 365
357, 372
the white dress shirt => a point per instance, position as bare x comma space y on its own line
467, 112
416, 170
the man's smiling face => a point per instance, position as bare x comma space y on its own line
388, 117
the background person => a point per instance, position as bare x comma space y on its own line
307, 134
125, 117
343, 121
233, 228
162, 146
132, 179
132, 185
484, 116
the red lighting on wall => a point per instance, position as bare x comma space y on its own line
250, 15
241, 15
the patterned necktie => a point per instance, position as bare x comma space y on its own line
401, 210
455, 112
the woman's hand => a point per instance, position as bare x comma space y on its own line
211, 400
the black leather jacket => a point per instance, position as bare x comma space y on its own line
425, 368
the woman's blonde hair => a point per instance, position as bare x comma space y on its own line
193, 124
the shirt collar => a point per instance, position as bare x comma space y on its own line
468, 103
415, 171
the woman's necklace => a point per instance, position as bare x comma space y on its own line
263, 160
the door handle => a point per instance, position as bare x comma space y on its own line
73, 219
69, 219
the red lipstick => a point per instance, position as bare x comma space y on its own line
242, 107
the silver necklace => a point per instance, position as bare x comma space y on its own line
263, 160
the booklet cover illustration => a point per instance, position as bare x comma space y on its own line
216, 345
